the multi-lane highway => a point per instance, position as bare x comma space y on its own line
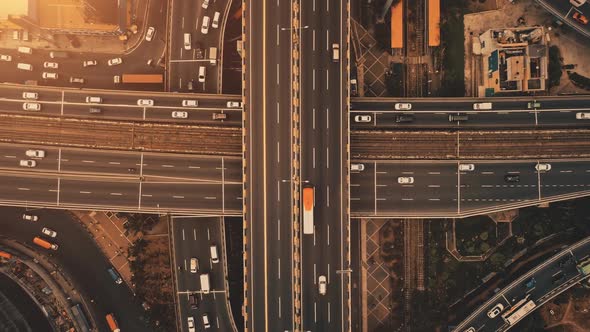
269, 173
120, 105
187, 55
126, 181
441, 190
324, 162
192, 238
545, 281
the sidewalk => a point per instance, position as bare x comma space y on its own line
108, 232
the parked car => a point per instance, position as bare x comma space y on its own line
5, 57
466, 167
357, 167
191, 324
580, 18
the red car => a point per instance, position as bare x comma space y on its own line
580, 18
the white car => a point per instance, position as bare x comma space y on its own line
190, 103
362, 118
405, 180
179, 115
205, 25
93, 99
30, 217
194, 265
191, 324
5, 57
30, 95
466, 167
145, 102
78, 80
403, 106
115, 61
234, 104
27, 163
53, 65
205, 4
52, 76
31, 106
49, 232
582, 116
89, 63
150, 33
35, 153
471, 329
357, 167
543, 167
322, 285
496, 310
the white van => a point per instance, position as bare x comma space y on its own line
190, 103
25, 50
205, 287
335, 52
93, 100
187, 41
201, 74
214, 256
215, 23
205, 25
194, 265
206, 323
24, 66
213, 55
482, 106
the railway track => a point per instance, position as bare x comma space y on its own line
120, 135
414, 47
440, 145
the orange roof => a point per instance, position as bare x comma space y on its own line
397, 23
433, 22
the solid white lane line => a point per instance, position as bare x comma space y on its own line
194, 234
566, 171
278, 38
278, 71
279, 268
313, 157
327, 79
177, 196
327, 157
208, 234
182, 23
88, 161
116, 194
278, 152
146, 195
315, 312
329, 319
24, 189
313, 118
327, 5
9, 156
278, 190
327, 196
278, 113
313, 36
279, 230
183, 238
313, 79
114, 163
85, 192
487, 173
327, 118
328, 233
279, 306
327, 40
210, 197
169, 166
315, 275
194, 167
434, 186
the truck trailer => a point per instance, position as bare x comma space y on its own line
42, 243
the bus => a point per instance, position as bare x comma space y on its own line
518, 314
584, 266
308, 204
113, 325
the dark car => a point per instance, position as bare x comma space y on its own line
401, 118
512, 178
193, 300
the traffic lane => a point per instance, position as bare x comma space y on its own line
191, 196
487, 185
563, 117
11, 156
16, 93
183, 166
199, 114
100, 161
105, 111
110, 99
99, 192
362, 188
15, 105
21, 188
565, 177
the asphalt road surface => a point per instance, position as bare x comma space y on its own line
192, 238
268, 153
439, 189
128, 181
323, 162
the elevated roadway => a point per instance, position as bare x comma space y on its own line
552, 278
268, 169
